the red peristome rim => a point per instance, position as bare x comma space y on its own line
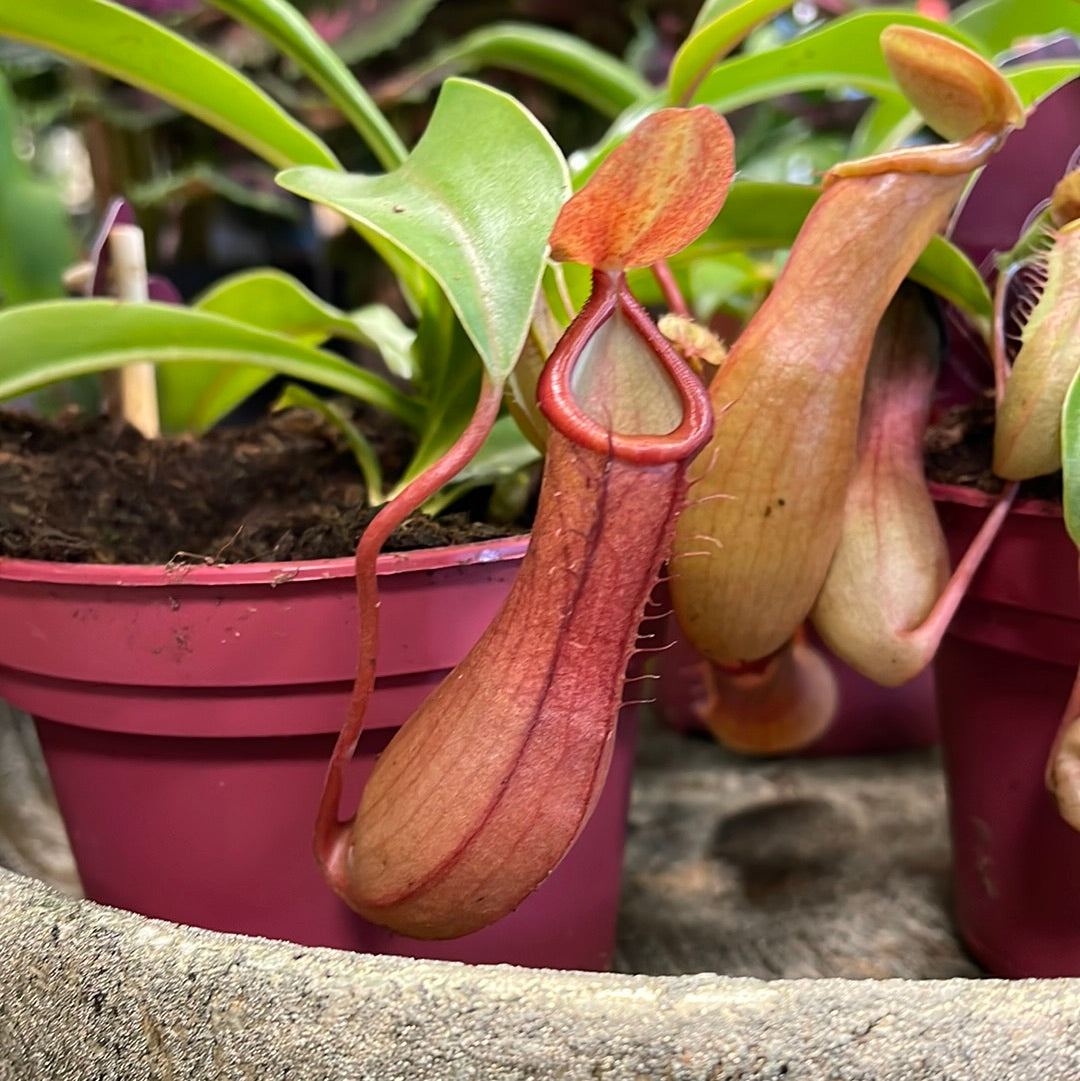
556, 400
238, 574
973, 497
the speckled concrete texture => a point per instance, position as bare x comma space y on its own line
92, 993
791, 868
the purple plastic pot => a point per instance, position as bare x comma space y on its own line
187, 717
1004, 672
869, 719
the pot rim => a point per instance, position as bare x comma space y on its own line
273, 574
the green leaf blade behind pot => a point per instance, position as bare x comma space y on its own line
56, 340
196, 395
118, 42
473, 204
841, 55
1000, 23
279, 22
560, 59
765, 215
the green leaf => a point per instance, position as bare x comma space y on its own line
561, 60
474, 204
504, 451
998, 24
885, 125
1070, 459
279, 22
36, 239
54, 340
712, 40
275, 301
844, 54
375, 27
892, 120
297, 397
451, 385
197, 395
118, 42
769, 216
1035, 81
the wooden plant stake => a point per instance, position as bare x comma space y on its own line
135, 390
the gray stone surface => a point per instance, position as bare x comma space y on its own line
32, 837
796, 867
803, 867
91, 993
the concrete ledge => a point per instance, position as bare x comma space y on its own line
90, 992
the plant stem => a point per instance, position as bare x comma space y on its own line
331, 833
676, 302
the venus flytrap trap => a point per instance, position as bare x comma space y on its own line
1037, 424
485, 788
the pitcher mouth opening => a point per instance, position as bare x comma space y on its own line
558, 401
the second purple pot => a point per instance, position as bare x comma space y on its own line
1004, 673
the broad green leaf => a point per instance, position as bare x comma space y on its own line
711, 41
54, 340
998, 24
118, 42
769, 216
559, 59
279, 22
1070, 459
197, 395
449, 407
473, 204
297, 397
844, 54
275, 301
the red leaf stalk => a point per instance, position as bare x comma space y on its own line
331, 835
485, 788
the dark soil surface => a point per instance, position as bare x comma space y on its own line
959, 449
84, 490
